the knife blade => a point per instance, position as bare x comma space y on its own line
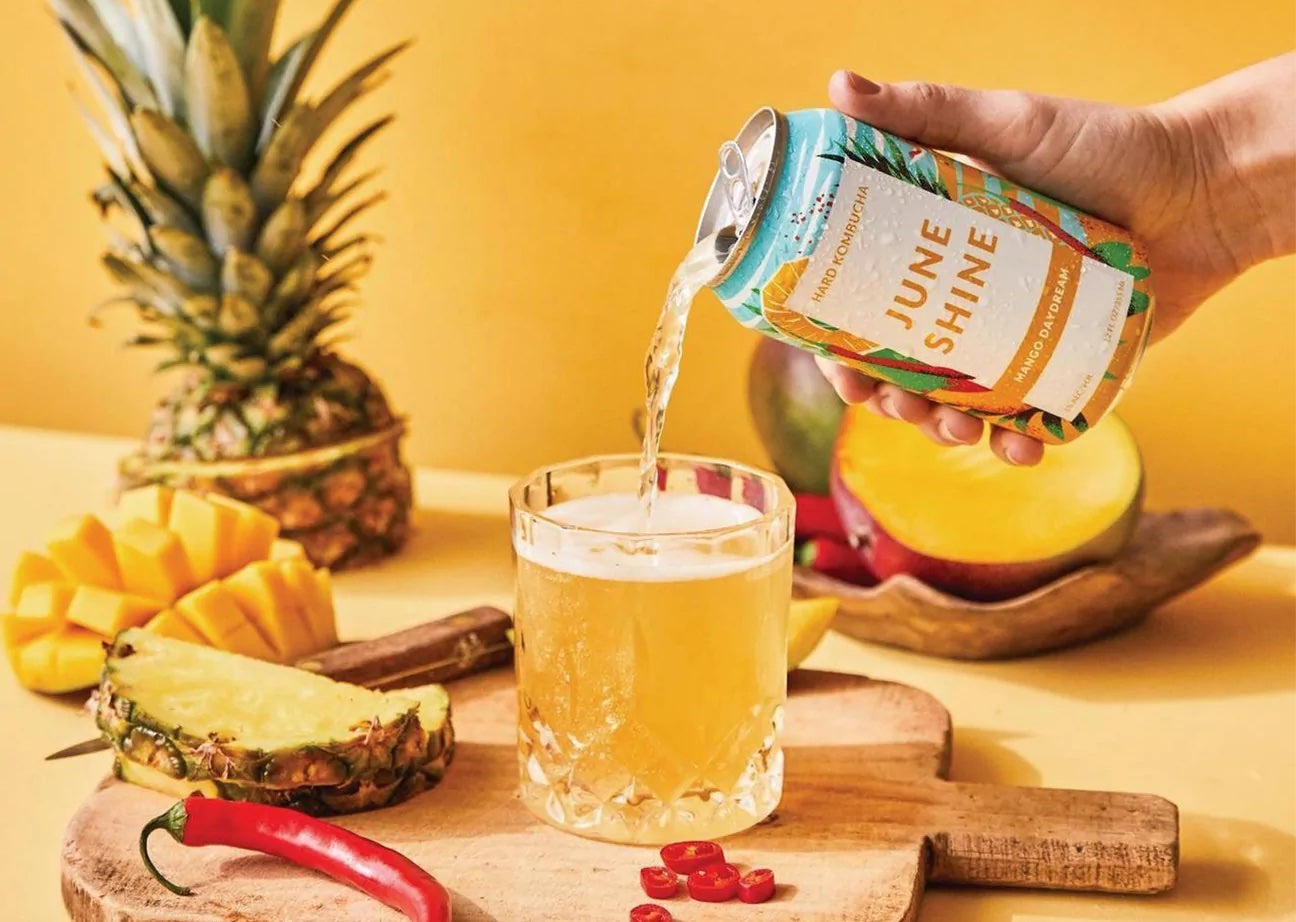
435, 651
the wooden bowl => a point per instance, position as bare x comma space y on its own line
1170, 553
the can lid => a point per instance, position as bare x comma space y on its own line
761, 142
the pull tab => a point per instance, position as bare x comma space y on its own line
739, 191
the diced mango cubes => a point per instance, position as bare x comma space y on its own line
254, 532
62, 661
202, 569
45, 600
152, 561
32, 568
206, 531
169, 624
82, 548
265, 597
107, 612
312, 601
287, 549
212, 611
151, 503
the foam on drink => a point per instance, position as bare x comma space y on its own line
614, 550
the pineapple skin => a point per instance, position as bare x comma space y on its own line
374, 769
346, 509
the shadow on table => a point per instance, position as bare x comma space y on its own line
1227, 638
982, 757
1231, 869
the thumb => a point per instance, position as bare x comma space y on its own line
1001, 127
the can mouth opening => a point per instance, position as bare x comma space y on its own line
761, 141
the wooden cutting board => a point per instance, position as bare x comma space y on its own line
866, 821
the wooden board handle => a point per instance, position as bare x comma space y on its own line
437, 651
1054, 839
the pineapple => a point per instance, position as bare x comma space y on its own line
185, 718
239, 263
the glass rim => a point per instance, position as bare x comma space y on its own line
785, 501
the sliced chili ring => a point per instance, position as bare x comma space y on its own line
659, 883
715, 883
650, 912
687, 857
756, 886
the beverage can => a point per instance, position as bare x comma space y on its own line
928, 273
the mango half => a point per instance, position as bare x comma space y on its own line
964, 522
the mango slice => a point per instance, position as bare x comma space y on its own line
169, 624
254, 533
45, 600
152, 504
17, 630
212, 611
286, 549
205, 529
808, 622
327, 626
152, 561
960, 520
82, 548
106, 612
264, 596
312, 601
68, 659
31, 568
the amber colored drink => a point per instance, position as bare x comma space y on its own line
652, 664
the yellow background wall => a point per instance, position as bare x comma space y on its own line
546, 170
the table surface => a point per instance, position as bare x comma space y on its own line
1198, 704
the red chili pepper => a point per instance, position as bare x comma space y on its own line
659, 883
816, 517
384, 874
650, 913
756, 886
836, 559
687, 857
716, 883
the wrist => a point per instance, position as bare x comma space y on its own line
1240, 132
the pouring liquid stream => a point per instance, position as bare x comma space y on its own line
666, 348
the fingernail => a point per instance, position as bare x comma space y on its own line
887, 406
861, 85
947, 435
1013, 454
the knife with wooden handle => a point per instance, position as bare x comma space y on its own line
437, 651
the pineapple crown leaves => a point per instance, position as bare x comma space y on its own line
235, 261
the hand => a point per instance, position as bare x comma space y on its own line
1206, 180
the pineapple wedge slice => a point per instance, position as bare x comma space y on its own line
205, 529
151, 504
254, 533
66, 660
152, 561
314, 604
82, 548
264, 596
212, 611
169, 624
106, 612
31, 568
198, 714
